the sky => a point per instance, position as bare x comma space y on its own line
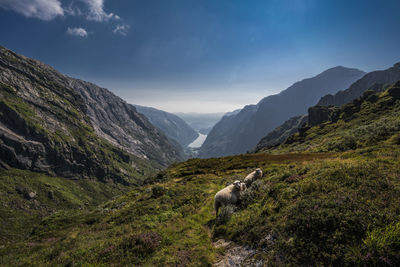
206, 55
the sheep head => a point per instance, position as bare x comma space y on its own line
237, 184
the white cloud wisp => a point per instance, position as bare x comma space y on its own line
40, 9
122, 29
80, 32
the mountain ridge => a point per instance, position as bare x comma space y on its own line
373, 81
387, 76
242, 131
68, 127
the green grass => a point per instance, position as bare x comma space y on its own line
315, 209
19, 214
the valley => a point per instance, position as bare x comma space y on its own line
205, 133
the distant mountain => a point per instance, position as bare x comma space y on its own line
62, 126
382, 77
239, 132
202, 123
171, 125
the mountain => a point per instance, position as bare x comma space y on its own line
171, 125
382, 77
370, 120
374, 81
63, 126
202, 123
331, 201
239, 132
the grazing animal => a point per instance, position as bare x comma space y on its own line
253, 176
228, 195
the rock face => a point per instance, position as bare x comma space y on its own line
381, 77
279, 134
321, 114
241, 131
171, 125
59, 125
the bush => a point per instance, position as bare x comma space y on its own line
381, 247
157, 191
143, 244
225, 214
251, 194
343, 144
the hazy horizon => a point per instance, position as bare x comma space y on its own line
201, 56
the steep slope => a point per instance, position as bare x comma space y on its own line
67, 127
27, 197
282, 132
240, 132
382, 77
171, 125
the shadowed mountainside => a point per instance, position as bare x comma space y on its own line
239, 132
380, 77
373, 81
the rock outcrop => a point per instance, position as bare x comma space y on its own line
279, 134
64, 126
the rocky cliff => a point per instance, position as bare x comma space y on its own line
241, 131
280, 133
59, 125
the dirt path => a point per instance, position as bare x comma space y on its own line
235, 255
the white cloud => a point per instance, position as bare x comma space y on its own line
81, 32
96, 11
122, 29
40, 9
49, 9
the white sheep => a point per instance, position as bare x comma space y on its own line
253, 176
228, 195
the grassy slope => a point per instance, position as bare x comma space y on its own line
168, 222
308, 209
19, 213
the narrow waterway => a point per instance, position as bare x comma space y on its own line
199, 141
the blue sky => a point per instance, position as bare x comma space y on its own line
204, 55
